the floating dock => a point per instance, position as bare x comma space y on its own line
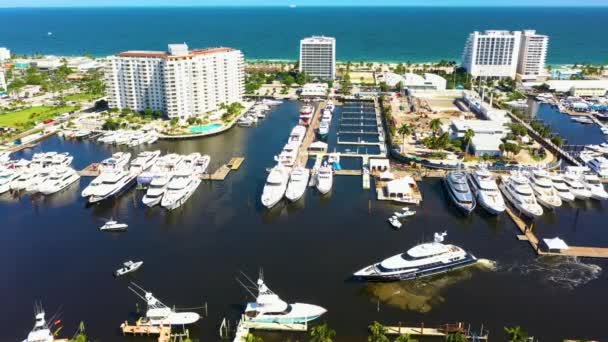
442, 331
244, 326
164, 333
90, 171
310, 135
235, 163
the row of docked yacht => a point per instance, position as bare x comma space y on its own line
256, 112
129, 138
325, 123
115, 176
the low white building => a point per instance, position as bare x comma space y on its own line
486, 144
84, 64
5, 54
3, 84
477, 105
567, 86
414, 82
458, 128
47, 62
314, 90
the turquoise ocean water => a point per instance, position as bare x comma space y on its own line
386, 34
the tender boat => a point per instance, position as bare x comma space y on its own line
41, 331
483, 184
577, 188
298, 182
129, 266
158, 314
517, 190
406, 212
269, 308
459, 191
420, 261
325, 178
544, 191
276, 185
563, 190
394, 221
180, 188
59, 179
114, 226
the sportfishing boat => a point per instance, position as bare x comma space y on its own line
59, 179
459, 191
158, 313
112, 184
325, 178
297, 135
517, 190
113, 226
41, 331
326, 117
306, 113
118, 161
483, 184
143, 161
275, 187
420, 261
323, 129
298, 182
288, 155
543, 188
563, 190
183, 184
269, 308
406, 212
128, 267
577, 188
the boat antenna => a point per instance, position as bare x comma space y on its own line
249, 279
138, 287
137, 293
246, 287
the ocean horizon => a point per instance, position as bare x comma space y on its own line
363, 33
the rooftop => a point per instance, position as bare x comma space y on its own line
175, 51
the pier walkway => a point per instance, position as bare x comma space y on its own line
310, 135
442, 331
163, 332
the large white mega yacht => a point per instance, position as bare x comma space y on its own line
595, 186
143, 161
563, 190
269, 308
288, 155
181, 186
325, 178
298, 182
420, 261
459, 191
517, 190
578, 189
596, 162
117, 162
483, 184
167, 163
543, 188
297, 135
157, 189
112, 184
60, 178
6, 177
275, 187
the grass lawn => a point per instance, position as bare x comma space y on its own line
81, 97
28, 116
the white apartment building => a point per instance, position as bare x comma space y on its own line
492, 53
318, 57
532, 55
5, 54
180, 82
3, 84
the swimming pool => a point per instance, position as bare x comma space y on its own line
205, 128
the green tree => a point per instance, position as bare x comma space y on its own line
435, 125
404, 131
399, 86
456, 337
557, 140
468, 136
288, 80
377, 333
516, 334
405, 338
251, 338
384, 87
173, 122
322, 333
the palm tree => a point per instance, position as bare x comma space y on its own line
405, 338
251, 338
516, 334
468, 135
404, 130
378, 333
456, 337
322, 333
435, 125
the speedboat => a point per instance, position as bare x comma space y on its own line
298, 181
459, 191
394, 221
306, 113
577, 188
420, 261
143, 161
118, 161
543, 188
59, 179
158, 314
326, 116
114, 226
112, 184
297, 135
517, 190
323, 129
325, 178
269, 308
275, 187
593, 184
563, 190
183, 184
156, 189
483, 185
406, 212
41, 331
129, 266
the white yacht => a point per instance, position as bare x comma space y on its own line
157, 189
5, 157
180, 188
306, 113
459, 191
325, 178
420, 261
269, 308
297, 135
118, 161
543, 188
143, 161
128, 267
167, 163
577, 188
288, 155
275, 187
60, 159
158, 313
298, 182
597, 163
483, 184
112, 184
7, 176
563, 190
202, 164
24, 179
595, 186
114, 226
517, 190
323, 129
59, 179
41, 331
326, 117
39, 178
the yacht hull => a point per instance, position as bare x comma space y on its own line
521, 209
464, 208
117, 192
415, 273
484, 201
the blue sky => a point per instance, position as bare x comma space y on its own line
70, 3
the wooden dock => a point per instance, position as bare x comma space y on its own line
442, 331
164, 333
310, 135
222, 172
235, 163
348, 172
90, 171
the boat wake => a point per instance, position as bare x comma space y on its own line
563, 272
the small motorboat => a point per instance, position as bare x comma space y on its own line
407, 212
394, 221
129, 266
114, 226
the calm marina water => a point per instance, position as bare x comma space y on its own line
51, 251
386, 34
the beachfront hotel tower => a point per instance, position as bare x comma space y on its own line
318, 57
532, 55
492, 53
179, 82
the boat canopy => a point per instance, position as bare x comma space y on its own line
318, 145
555, 244
387, 175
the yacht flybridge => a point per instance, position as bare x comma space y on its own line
298, 181
41, 331
459, 191
517, 190
158, 313
420, 261
275, 187
483, 184
269, 308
